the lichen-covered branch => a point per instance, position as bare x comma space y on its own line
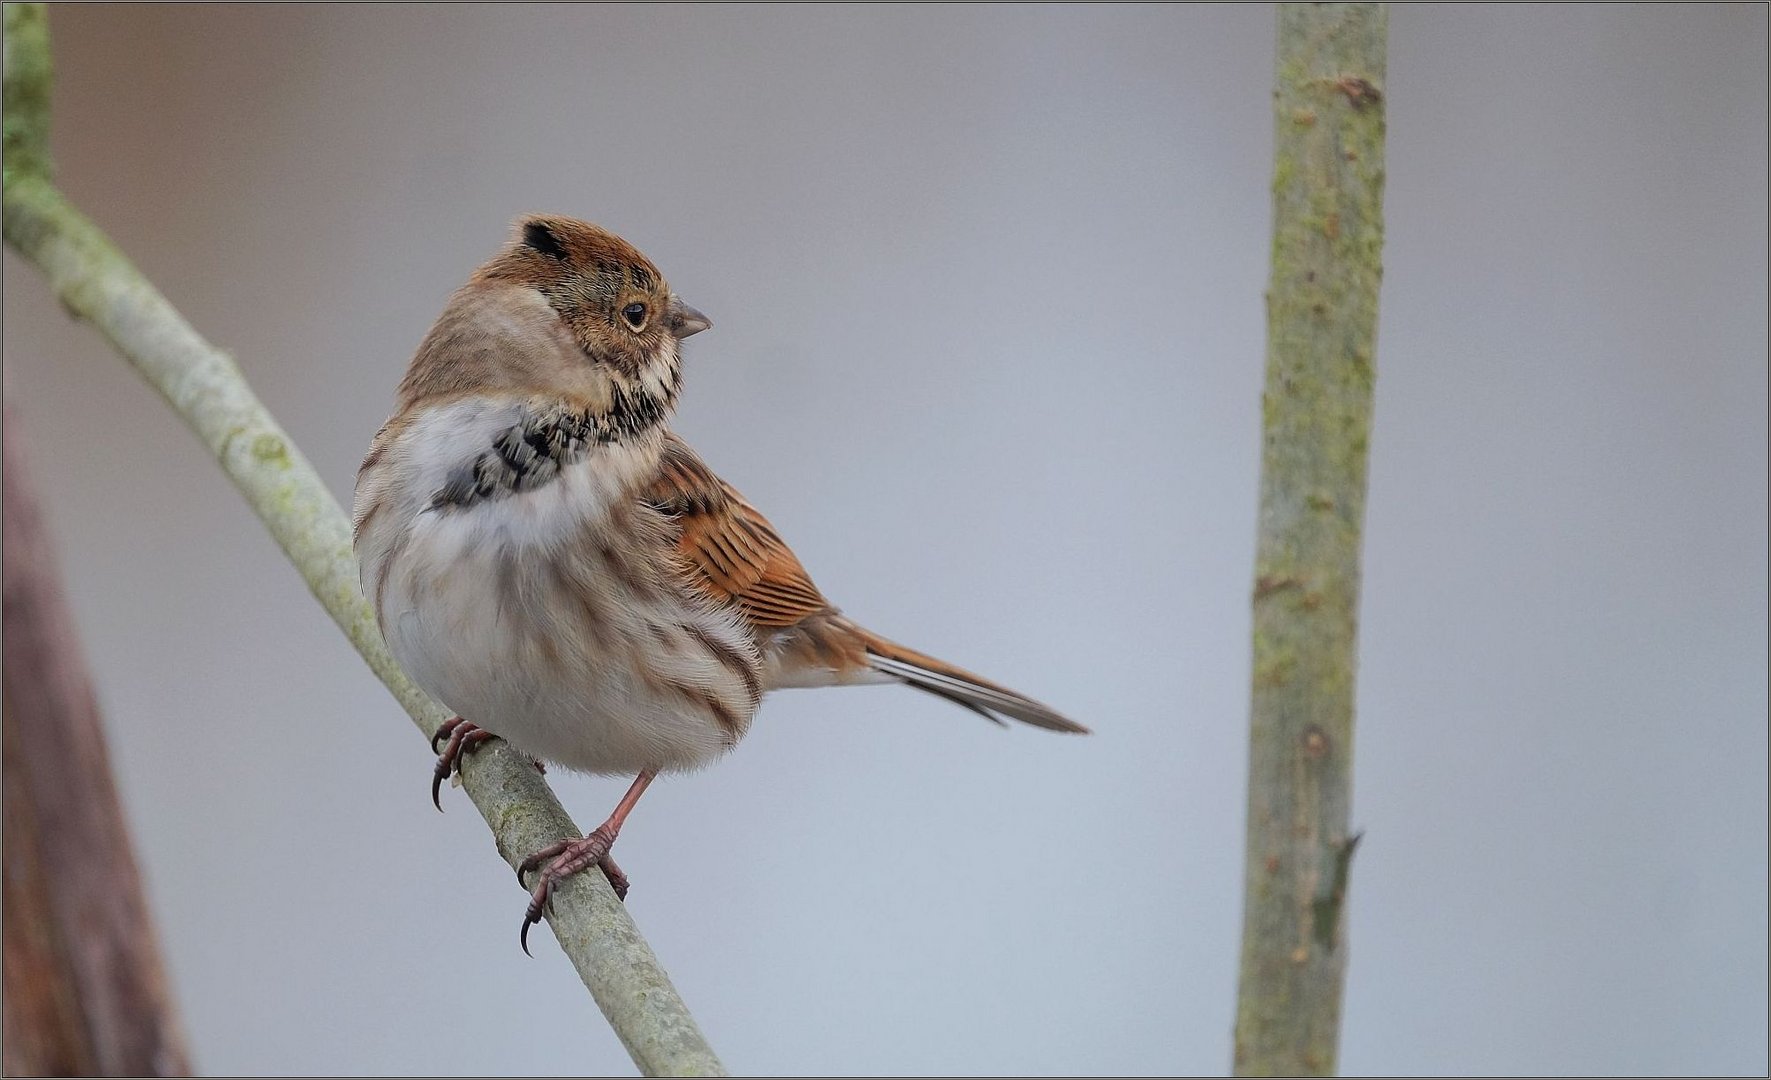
25, 122
95, 282
1328, 180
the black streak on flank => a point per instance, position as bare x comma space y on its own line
735, 662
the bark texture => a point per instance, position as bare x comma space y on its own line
1322, 299
84, 990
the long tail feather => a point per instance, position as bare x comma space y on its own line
962, 687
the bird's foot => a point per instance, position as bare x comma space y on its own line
559, 861
463, 738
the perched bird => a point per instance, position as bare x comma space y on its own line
549, 561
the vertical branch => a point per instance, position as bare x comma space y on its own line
1316, 417
84, 989
24, 124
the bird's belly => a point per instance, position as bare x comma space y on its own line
578, 651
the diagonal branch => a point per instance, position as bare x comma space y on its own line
96, 283
1328, 186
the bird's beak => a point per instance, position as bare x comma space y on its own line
685, 320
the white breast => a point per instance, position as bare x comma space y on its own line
546, 616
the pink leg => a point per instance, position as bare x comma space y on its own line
561, 860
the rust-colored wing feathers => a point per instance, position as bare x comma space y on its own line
732, 551
729, 547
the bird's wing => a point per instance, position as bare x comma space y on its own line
732, 551
728, 547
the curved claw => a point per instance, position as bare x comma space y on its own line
529, 920
537, 904
438, 775
445, 762
463, 737
617, 880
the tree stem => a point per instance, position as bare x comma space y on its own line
85, 992
1316, 417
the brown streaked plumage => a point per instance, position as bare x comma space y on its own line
548, 560
727, 546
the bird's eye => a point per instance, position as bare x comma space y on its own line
635, 314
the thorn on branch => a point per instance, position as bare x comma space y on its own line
1326, 908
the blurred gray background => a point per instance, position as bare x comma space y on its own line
987, 292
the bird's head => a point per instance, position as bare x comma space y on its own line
566, 307
616, 304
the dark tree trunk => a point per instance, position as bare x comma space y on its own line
84, 992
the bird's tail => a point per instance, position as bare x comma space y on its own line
961, 687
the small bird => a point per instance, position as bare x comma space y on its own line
553, 564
